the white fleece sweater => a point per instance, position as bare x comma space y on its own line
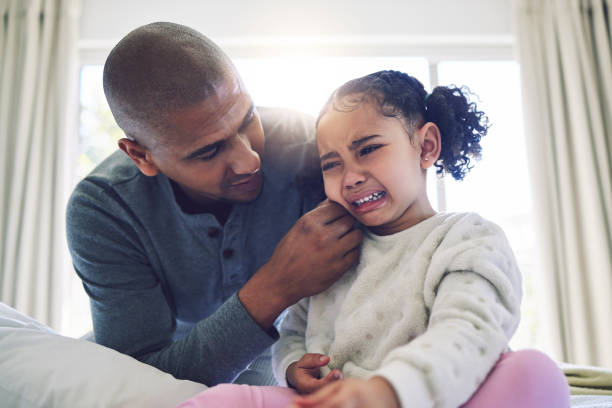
430, 309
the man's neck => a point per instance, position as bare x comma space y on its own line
221, 210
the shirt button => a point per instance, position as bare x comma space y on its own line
228, 253
213, 232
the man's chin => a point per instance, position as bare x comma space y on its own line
246, 192
246, 196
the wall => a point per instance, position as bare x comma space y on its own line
341, 27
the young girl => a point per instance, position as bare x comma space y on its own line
425, 318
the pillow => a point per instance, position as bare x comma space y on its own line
39, 368
9, 317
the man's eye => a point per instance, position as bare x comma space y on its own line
328, 166
369, 149
210, 153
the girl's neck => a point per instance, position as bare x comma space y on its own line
416, 213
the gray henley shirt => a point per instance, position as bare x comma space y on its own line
163, 283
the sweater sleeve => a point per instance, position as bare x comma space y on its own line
131, 312
446, 364
472, 292
292, 344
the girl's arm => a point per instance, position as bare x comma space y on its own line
292, 343
445, 365
472, 291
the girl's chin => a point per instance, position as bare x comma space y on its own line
368, 220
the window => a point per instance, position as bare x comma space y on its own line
497, 188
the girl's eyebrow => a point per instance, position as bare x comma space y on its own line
248, 117
354, 145
328, 156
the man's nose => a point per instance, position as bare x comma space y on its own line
244, 159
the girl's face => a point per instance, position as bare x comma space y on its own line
371, 167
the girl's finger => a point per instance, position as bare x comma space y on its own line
340, 400
318, 397
334, 375
313, 360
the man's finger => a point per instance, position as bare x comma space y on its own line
352, 255
353, 237
324, 202
328, 211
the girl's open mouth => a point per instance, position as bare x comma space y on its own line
369, 202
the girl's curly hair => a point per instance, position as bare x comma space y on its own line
400, 95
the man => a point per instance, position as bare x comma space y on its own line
185, 239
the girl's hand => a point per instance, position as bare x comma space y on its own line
303, 375
373, 393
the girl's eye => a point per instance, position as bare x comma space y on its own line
368, 149
328, 166
247, 121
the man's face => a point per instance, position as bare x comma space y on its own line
212, 149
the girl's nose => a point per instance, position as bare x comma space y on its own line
353, 178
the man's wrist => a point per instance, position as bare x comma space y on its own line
262, 300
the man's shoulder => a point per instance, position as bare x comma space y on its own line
117, 168
102, 185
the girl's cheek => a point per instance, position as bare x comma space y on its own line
333, 193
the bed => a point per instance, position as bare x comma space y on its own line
591, 387
39, 368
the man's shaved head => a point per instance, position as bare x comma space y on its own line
160, 68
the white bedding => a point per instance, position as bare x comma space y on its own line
591, 401
39, 368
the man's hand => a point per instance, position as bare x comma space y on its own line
352, 393
317, 250
303, 375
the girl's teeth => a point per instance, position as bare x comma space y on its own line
371, 197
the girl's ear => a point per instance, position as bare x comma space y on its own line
139, 155
431, 142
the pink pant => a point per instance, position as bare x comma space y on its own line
525, 379
241, 396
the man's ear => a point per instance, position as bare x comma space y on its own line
139, 155
430, 141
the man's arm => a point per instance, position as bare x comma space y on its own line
130, 309
316, 252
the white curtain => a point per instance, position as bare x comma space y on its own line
38, 108
565, 51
